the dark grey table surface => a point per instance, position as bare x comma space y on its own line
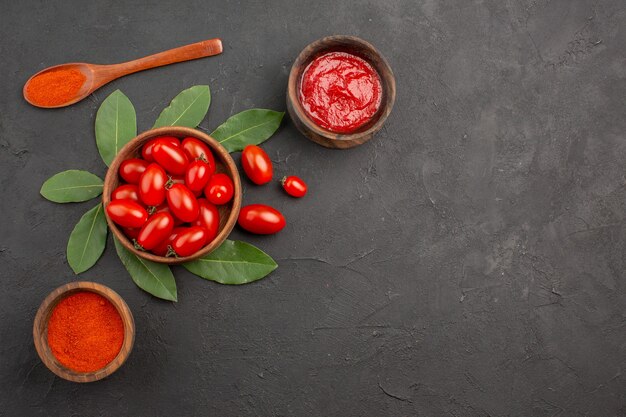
468, 261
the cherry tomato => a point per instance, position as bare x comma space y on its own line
196, 149
127, 213
220, 189
256, 164
126, 192
197, 175
152, 185
171, 158
261, 219
182, 203
155, 230
162, 248
189, 240
209, 218
131, 232
294, 186
164, 208
131, 170
148, 148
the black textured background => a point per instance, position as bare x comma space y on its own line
468, 261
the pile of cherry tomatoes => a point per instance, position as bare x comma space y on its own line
168, 202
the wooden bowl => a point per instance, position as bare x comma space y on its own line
355, 46
224, 163
40, 331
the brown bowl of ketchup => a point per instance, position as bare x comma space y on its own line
340, 91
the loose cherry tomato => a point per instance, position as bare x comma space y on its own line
261, 219
182, 203
171, 158
220, 189
189, 241
196, 149
256, 164
294, 186
155, 230
131, 232
131, 170
162, 248
209, 218
152, 185
127, 213
197, 175
164, 208
148, 148
126, 192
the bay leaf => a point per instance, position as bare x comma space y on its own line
188, 108
250, 127
233, 263
87, 240
72, 186
154, 278
116, 125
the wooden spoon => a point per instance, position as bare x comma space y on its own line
99, 75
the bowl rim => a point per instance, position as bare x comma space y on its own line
40, 334
178, 131
383, 69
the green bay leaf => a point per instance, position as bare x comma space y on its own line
72, 186
187, 109
154, 278
116, 125
250, 127
233, 263
88, 240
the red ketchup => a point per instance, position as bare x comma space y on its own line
340, 92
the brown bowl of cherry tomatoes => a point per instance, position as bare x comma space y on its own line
172, 195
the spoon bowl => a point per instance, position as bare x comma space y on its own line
87, 88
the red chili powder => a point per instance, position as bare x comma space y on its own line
55, 87
340, 91
85, 332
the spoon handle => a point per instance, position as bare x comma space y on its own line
184, 53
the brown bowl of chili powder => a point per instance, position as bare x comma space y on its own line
83, 331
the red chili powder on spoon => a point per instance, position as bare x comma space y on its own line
85, 332
55, 87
